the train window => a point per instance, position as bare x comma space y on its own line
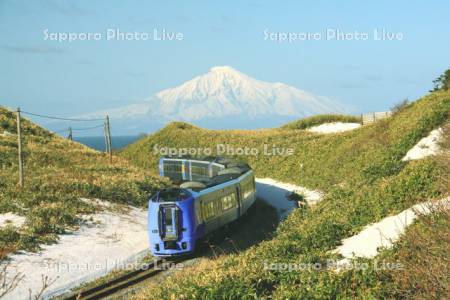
198, 215
172, 167
228, 201
247, 189
200, 171
208, 210
171, 195
215, 170
168, 221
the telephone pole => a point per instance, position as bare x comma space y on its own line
106, 137
109, 142
19, 147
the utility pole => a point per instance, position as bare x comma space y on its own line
106, 137
108, 134
70, 137
19, 146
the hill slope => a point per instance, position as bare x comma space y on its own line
57, 173
364, 179
319, 161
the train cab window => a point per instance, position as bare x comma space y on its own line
171, 195
168, 221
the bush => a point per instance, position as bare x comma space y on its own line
400, 106
442, 82
321, 119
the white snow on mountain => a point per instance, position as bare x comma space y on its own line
224, 93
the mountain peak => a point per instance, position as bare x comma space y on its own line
223, 69
226, 95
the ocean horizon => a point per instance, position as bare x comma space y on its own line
98, 142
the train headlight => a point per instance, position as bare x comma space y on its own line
184, 245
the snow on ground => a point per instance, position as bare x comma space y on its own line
425, 147
11, 219
109, 240
333, 127
385, 232
99, 203
275, 193
5, 133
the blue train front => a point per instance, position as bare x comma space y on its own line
208, 194
172, 229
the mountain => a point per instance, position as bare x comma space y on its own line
221, 98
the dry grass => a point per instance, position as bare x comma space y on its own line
424, 255
364, 179
59, 172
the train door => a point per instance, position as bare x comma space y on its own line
210, 214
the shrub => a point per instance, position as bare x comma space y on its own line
400, 106
321, 119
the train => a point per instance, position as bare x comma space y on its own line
208, 193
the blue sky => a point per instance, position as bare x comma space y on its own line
65, 78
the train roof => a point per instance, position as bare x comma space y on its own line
226, 162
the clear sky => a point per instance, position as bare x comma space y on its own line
68, 78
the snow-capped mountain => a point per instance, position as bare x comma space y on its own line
225, 98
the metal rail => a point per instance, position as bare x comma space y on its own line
120, 282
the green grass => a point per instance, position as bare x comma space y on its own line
57, 173
319, 161
364, 179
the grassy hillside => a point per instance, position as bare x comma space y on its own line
319, 161
364, 180
321, 119
57, 173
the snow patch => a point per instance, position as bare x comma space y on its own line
333, 127
97, 202
425, 147
6, 133
276, 193
11, 219
385, 232
109, 240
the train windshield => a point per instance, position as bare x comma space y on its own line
171, 195
168, 221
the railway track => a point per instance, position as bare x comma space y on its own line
122, 281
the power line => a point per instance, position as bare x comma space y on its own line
60, 118
89, 128
79, 129
60, 131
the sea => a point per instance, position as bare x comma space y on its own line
98, 142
